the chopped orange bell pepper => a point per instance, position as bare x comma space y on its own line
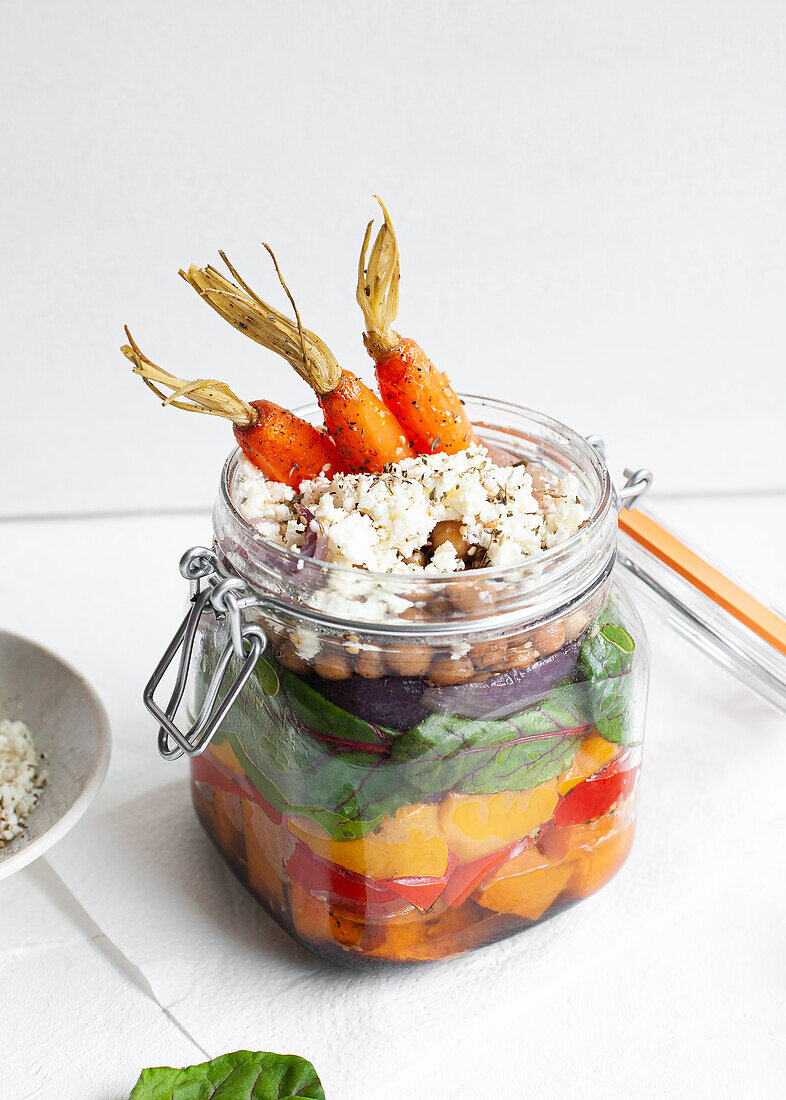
594, 753
477, 825
527, 885
411, 844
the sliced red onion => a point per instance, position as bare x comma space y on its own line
506, 693
230, 548
314, 543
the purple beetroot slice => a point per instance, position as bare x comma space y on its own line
506, 693
392, 701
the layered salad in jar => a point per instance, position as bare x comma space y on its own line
440, 745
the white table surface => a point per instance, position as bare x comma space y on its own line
589, 204
131, 945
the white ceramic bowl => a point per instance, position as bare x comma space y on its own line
69, 724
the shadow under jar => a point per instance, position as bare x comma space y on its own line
422, 765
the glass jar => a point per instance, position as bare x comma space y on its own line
419, 765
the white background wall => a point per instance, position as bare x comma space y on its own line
589, 199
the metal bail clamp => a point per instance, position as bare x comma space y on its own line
247, 642
636, 484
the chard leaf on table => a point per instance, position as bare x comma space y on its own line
607, 662
243, 1075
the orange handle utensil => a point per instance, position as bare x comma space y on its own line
744, 607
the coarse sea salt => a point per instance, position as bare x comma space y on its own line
20, 778
380, 521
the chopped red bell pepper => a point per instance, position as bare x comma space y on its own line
343, 887
337, 886
594, 797
420, 890
348, 889
206, 769
467, 877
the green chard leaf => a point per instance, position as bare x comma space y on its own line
607, 662
267, 675
306, 755
243, 1075
299, 751
483, 756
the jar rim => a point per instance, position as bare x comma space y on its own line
576, 545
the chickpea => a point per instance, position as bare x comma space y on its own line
417, 557
549, 638
370, 663
449, 530
576, 624
446, 671
410, 660
465, 597
521, 654
543, 482
491, 654
500, 456
439, 608
233, 810
332, 664
414, 658
287, 656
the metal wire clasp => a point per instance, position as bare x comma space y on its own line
637, 481
636, 485
212, 590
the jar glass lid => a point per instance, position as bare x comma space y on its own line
702, 601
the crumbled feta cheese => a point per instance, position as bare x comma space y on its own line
378, 521
306, 642
20, 779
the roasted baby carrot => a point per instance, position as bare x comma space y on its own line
366, 433
420, 396
284, 447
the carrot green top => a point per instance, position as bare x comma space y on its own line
202, 395
248, 313
377, 289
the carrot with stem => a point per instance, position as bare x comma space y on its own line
366, 433
283, 446
420, 396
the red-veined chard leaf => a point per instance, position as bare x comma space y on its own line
243, 1075
607, 661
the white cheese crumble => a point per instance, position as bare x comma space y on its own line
20, 779
381, 521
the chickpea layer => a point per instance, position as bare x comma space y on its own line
339, 658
